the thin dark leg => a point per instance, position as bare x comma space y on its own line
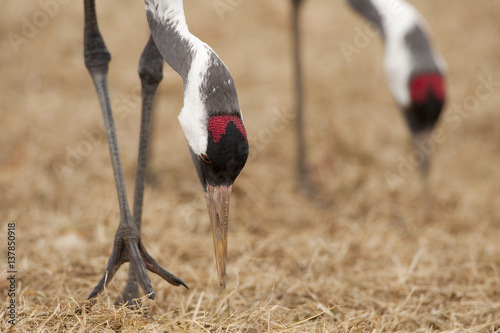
303, 176
150, 72
127, 245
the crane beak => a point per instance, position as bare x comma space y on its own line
420, 142
218, 209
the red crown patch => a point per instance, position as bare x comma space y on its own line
421, 84
217, 126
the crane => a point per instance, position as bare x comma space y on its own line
211, 120
414, 70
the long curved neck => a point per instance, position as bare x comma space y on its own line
370, 11
172, 37
389, 16
209, 89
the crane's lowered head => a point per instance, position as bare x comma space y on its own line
217, 168
427, 98
212, 122
211, 117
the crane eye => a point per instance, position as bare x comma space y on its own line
205, 159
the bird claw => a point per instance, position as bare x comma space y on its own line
128, 247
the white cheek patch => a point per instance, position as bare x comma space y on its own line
193, 117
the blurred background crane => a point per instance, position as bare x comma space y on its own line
414, 71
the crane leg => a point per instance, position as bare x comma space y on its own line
150, 72
127, 245
302, 172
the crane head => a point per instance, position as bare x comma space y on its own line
427, 92
217, 168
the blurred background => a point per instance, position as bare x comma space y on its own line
361, 244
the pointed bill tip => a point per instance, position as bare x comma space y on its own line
222, 282
220, 247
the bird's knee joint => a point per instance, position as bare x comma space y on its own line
97, 59
95, 52
149, 76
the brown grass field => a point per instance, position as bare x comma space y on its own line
360, 256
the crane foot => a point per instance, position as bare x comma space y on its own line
128, 247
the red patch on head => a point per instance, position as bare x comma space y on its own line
217, 126
422, 84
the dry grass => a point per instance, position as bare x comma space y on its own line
360, 257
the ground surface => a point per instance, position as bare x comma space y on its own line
366, 254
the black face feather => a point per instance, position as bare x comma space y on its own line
424, 115
226, 154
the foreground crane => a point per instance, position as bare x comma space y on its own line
211, 120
